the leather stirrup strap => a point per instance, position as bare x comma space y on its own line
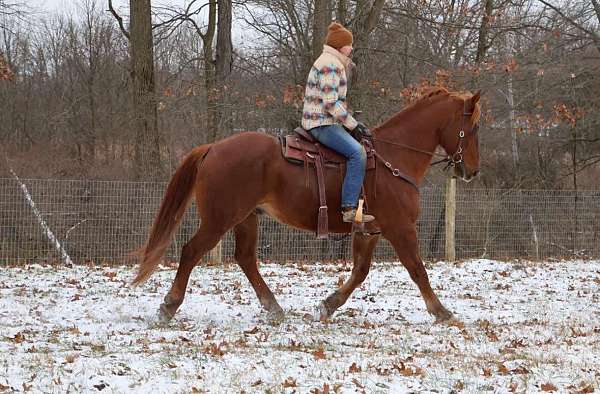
322, 225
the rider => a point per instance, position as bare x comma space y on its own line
325, 112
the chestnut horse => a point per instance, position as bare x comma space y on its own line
236, 178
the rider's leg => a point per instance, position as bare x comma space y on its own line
338, 139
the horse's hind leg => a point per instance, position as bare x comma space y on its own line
205, 239
363, 246
246, 236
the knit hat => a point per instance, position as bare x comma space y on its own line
338, 36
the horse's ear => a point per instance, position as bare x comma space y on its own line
473, 101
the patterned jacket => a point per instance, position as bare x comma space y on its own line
325, 94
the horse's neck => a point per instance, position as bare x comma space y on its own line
416, 128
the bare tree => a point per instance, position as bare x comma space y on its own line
223, 64
148, 161
321, 19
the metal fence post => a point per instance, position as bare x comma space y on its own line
450, 196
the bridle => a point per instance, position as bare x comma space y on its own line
455, 159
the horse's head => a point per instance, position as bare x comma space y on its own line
460, 137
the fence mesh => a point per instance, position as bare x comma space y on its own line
102, 221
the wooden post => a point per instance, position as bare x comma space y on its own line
450, 218
216, 255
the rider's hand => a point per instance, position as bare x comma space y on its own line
362, 130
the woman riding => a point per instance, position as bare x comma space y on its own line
325, 113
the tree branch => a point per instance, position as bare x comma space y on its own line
118, 18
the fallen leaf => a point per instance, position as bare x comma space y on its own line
19, 337
502, 369
354, 368
252, 331
289, 382
407, 370
358, 383
70, 358
549, 387
100, 386
492, 336
319, 354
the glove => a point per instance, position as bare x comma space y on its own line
361, 130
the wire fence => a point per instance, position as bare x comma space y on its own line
102, 221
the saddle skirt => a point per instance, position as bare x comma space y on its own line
301, 147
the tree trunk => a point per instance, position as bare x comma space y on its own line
212, 130
484, 28
224, 62
147, 139
342, 11
321, 20
365, 20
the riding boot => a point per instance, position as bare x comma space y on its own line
349, 214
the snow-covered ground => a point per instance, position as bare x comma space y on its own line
524, 327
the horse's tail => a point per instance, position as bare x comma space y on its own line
177, 197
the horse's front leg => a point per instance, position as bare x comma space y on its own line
363, 246
406, 245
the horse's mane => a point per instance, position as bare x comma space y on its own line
433, 94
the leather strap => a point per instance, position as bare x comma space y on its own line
397, 173
322, 221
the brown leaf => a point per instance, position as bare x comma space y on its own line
502, 369
74, 330
319, 354
358, 383
520, 370
110, 275
585, 389
407, 370
257, 383
289, 382
319, 391
549, 387
19, 337
253, 331
214, 350
354, 368
492, 336
487, 372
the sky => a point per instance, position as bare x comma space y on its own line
58, 5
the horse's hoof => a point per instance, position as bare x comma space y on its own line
164, 316
322, 313
276, 317
445, 316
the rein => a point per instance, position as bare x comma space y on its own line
452, 160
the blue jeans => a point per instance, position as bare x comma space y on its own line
338, 139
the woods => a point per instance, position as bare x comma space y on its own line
122, 93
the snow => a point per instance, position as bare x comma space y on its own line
522, 326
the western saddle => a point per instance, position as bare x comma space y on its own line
303, 149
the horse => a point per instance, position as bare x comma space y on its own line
236, 179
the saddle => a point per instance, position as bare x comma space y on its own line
302, 148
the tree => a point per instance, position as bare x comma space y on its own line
148, 162
223, 64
